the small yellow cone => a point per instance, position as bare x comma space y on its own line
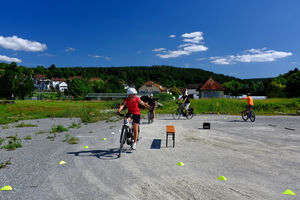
85, 147
289, 192
223, 178
104, 138
62, 162
218, 113
6, 188
180, 163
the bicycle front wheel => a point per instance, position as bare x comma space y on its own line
244, 116
252, 116
122, 140
176, 114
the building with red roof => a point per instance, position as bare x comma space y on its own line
151, 87
212, 89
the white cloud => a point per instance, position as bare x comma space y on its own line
200, 59
46, 54
173, 54
9, 59
18, 44
195, 48
69, 49
190, 45
172, 36
159, 49
251, 55
97, 56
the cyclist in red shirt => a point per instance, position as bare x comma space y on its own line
132, 103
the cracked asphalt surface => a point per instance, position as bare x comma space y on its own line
260, 160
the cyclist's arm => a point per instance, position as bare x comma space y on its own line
143, 104
155, 104
122, 106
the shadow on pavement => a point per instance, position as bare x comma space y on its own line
156, 144
109, 154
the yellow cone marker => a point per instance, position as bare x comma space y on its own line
218, 113
180, 163
289, 192
85, 147
104, 138
62, 162
223, 178
6, 188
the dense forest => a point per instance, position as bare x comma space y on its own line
14, 80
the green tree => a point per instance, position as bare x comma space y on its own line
293, 85
233, 87
79, 88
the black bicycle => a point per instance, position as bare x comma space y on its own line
180, 112
150, 115
249, 114
127, 135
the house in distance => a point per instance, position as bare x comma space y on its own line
212, 89
151, 87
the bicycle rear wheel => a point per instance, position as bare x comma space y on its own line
176, 114
245, 116
252, 116
122, 140
190, 116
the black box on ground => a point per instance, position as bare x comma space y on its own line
206, 125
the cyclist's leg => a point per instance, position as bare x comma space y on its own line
187, 105
136, 121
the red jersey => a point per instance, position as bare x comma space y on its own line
133, 105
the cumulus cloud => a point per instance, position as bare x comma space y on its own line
192, 43
98, 56
159, 49
172, 36
69, 49
19, 44
251, 55
9, 59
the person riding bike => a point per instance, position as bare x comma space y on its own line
133, 111
153, 103
250, 103
186, 102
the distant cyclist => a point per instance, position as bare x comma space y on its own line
153, 103
133, 111
250, 103
186, 102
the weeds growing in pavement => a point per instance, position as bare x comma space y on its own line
5, 164
75, 125
25, 125
2, 140
39, 132
28, 137
72, 140
58, 129
13, 143
5, 127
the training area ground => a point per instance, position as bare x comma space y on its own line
260, 160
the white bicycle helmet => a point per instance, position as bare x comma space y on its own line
131, 91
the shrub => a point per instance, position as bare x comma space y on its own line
58, 129
13, 143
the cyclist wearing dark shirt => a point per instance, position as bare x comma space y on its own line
186, 102
153, 103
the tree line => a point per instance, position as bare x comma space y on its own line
16, 81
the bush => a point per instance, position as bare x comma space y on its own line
58, 129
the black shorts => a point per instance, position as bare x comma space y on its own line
248, 107
135, 118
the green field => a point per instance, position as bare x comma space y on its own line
92, 111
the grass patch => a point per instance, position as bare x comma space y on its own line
39, 132
13, 143
111, 127
5, 127
28, 137
75, 125
25, 125
51, 137
72, 140
5, 164
58, 129
2, 140
90, 131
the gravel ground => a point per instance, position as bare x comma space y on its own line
260, 161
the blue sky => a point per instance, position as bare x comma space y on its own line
245, 39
